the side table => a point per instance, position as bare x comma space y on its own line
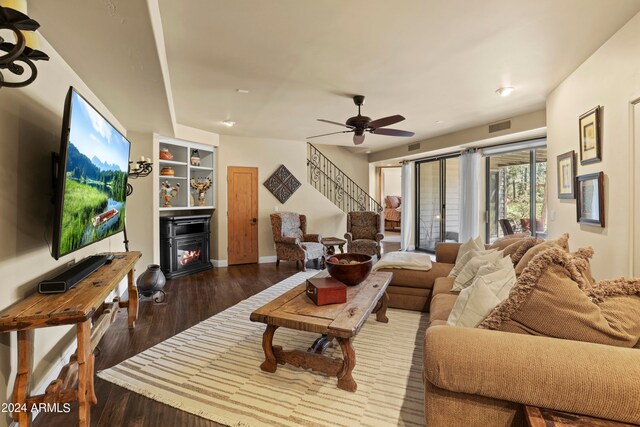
331, 242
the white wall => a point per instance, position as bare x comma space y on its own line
610, 78
391, 182
31, 122
142, 220
267, 155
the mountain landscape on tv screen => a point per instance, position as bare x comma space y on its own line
95, 192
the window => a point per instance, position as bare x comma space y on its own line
437, 207
516, 193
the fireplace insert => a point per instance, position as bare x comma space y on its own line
184, 244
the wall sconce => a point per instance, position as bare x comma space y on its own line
25, 49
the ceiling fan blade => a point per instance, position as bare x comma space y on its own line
335, 123
358, 139
392, 132
385, 121
327, 134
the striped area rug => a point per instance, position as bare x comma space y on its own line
213, 370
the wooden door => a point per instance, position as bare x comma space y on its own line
242, 215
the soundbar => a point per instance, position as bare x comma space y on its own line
73, 275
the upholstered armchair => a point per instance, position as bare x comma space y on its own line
364, 233
292, 241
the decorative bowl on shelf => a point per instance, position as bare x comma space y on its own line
165, 154
167, 172
350, 269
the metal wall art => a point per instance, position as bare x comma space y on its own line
282, 184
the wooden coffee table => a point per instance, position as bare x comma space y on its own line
342, 322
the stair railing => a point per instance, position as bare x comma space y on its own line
335, 185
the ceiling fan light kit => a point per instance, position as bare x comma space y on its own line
360, 124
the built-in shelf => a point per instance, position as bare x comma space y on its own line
185, 208
185, 154
202, 168
172, 162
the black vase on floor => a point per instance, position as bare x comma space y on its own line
151, 281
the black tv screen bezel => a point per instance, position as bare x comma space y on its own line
62, 174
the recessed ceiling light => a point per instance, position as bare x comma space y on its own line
505, 91
439, 122
229, 123
242, 91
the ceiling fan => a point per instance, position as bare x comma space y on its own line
360, 124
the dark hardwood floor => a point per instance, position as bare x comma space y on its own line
190, 300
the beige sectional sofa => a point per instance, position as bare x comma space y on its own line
478, 377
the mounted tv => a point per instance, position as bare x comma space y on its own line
91, 187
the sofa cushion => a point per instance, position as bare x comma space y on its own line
468, 273
441, 306
443, 285
552, 298
417, 278
562, 242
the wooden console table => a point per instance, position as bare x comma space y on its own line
77, 306
541, 417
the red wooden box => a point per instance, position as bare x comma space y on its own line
326, 290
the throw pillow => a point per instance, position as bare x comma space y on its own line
470, 245
501, 264
521, 235
504, 242
470, 270
527, 244
464, 259
476, 302
510, 250
562, 242
552, 298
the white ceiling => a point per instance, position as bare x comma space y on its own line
302, 60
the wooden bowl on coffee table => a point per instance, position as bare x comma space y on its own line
350, 269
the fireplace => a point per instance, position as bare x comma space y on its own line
184, 244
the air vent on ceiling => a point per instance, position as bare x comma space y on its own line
496, 127
414, 147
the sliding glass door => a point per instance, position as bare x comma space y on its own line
437, 202
516, 192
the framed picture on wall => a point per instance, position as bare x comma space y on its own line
590, 199
590, 137
567, 175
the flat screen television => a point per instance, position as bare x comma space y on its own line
91, 187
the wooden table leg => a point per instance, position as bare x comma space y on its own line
270, 364
341, 248
381, 310
345, 380
132, 308
23, 378
85, 374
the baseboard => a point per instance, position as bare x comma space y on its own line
55, 370
219, 263
261, 260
